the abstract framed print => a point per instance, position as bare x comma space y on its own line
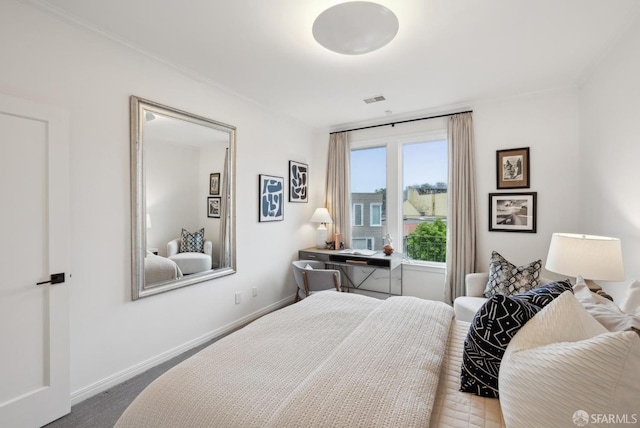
271, 205
298, 182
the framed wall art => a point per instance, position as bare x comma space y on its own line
214, 183
512, 212
298, 181
213, 207
271, 206
512, 168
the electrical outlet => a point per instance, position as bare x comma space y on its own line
238, 298
255, 291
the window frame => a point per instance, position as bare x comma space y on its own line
436, 130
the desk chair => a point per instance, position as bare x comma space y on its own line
312, 276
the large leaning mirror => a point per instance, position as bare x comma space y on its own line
183, 198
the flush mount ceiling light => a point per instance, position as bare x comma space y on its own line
355, 28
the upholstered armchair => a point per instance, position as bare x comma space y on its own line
190, 262
466, 306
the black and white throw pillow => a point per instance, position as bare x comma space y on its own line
192, 242
544, 294
493, 327
507, 278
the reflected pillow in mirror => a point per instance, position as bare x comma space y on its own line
192, 242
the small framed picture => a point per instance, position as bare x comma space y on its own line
512, 168
512, 212
271, 204
213, 207
298, 182
214, 184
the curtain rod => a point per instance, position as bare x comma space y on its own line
392, 124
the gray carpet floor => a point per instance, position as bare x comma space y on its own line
103, 410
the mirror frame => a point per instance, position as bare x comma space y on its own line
138, 107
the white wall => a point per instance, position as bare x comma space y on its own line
173, 202
48, 61
547, 123
610, 152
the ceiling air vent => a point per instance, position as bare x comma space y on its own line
374, 99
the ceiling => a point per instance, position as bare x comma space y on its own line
448, 54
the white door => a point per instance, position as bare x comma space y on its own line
34, 243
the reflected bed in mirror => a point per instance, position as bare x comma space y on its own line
175, 240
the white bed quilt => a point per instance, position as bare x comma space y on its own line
333, 359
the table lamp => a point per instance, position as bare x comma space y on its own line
595, 258
321, 215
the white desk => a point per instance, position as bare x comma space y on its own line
343, 261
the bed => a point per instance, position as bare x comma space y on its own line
159, 269
333, 359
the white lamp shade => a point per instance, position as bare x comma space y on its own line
597, 258
321, 215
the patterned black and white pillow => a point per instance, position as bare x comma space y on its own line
507, 278
192, 242
493, 327
544, 294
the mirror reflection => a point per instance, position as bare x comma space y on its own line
183, 217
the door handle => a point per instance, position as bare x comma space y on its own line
56, 278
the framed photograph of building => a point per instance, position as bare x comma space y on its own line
512, 168
271, 205
512, 212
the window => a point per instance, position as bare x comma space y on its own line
375, 214
358, 214
368, 184
362, 243
403, 186
424, 201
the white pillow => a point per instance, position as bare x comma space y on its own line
604, 310
563, 364
631, 304
308, 267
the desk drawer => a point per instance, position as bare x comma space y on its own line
308, 255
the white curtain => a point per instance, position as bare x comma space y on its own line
224, 256
338, 187
461, 240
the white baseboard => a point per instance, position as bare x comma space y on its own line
117, 378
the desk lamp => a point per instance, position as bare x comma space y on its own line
321, 215
595, 258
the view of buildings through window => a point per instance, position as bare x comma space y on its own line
421, 202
